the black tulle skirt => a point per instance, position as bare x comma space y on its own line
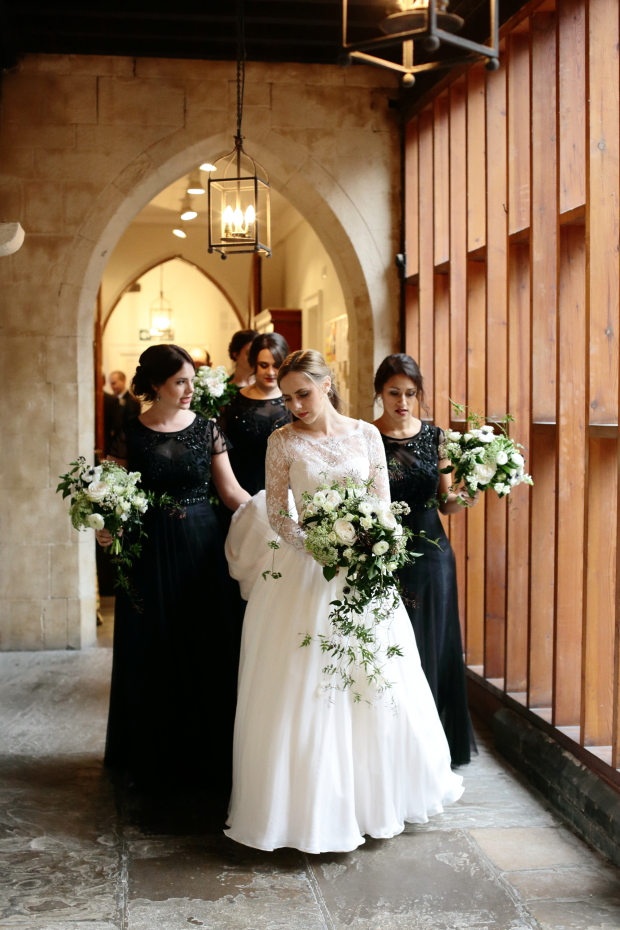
176, 653
430, 595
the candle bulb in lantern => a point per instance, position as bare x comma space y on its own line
250, 219
238, 229
227, 221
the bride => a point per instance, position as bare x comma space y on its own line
313, 769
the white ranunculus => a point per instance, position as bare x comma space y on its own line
381, 547
333, 497
345, 531
365, 507
517, 458
319, 499
387, 519
484, 473
96, 521
501, 458
96, 491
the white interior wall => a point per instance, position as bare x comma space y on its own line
203, 318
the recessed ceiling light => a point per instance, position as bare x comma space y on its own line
189, 215
179, 233
207, 167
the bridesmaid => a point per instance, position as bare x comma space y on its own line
174, 673
238, 352
255, 411
429, 584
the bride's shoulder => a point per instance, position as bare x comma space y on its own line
369, 429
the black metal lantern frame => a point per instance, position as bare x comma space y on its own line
239, 205
431, 25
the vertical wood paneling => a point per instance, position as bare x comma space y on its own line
442, 351
476, 235
544, 222
458, 241
602, 210
412, 233
496, 362
518, 47
517, 600
476, 377
571, 17
598, 672
542, 465
441, 173
571, 467
412, 320
427, 270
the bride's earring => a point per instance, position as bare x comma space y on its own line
158, 397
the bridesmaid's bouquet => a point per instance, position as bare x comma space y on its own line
350, 530
107, 497
213, 389
481, 459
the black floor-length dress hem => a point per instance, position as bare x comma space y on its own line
429, 585
176, 649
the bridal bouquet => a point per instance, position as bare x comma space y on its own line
349, 529
481, 459
107, 497
213, 388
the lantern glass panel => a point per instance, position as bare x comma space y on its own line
239, 210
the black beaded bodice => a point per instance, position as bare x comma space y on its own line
249, 423
413, 467
178, 464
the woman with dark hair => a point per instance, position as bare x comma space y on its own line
238, 351
174, 674
255, 411
428, 584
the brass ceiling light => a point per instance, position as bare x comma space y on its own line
429, 23
238, 187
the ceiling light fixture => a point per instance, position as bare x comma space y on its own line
187, 212
429, 23
180, 233
161, 313
195, 187
239, 209
207, 166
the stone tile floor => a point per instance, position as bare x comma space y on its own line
76, 856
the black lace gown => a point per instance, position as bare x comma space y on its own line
174, 675
429, 584
249, 423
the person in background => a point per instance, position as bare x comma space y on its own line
128, 406
429, 591
238, 351
255, 411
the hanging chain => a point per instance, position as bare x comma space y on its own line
240, 65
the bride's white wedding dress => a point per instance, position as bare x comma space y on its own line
313, 769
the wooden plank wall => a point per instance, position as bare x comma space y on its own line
513, 305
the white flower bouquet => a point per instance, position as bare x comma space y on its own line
107, 497
481, 458
213, 389
350, 530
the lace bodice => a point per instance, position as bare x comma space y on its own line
413, 467
303, 462
177, 463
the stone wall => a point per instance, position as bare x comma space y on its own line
85, 143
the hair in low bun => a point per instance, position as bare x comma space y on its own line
311, 363
400, 364
157, 364
277, 345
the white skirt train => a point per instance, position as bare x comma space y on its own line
313, 769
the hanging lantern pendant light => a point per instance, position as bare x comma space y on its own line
238, 187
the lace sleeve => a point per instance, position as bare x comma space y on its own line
276, 489
378, 464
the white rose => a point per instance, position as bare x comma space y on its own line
125, 506
484, 473
333, 498
501, 458
381, 547
96, 521
345, 532
391, 566
96, 491
387, 519
452, 435
517, 458
467, 437
319, 499
215, 387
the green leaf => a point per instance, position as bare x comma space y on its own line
329, 572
